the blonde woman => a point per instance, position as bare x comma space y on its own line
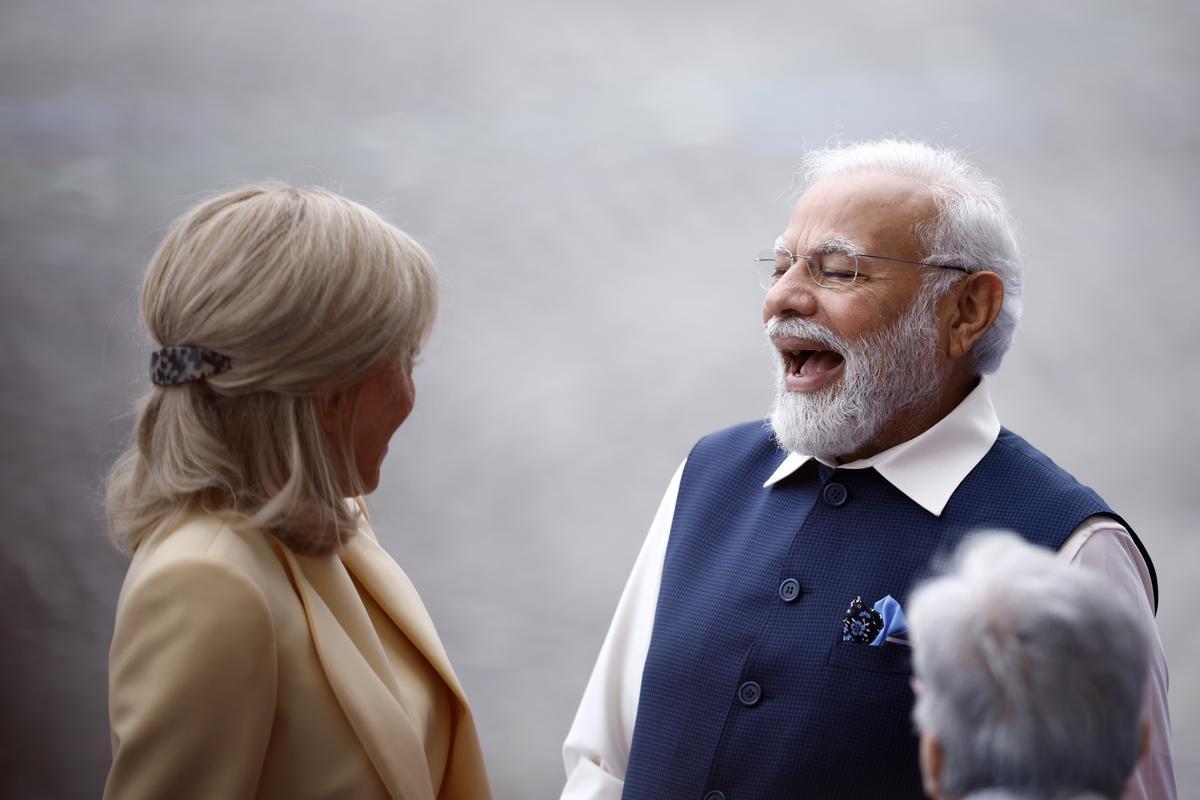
265, 644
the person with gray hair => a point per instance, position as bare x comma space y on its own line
1029, 677
755, 652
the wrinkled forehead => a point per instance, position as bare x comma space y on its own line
874, 212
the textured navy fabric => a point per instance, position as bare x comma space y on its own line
828, 719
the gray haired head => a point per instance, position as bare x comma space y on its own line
1031, 673
973, 229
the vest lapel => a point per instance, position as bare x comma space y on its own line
357, 670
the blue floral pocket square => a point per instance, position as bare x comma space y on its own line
883, 622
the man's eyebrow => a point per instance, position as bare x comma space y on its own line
837, 244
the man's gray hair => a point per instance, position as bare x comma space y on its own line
973, 229
1030, 673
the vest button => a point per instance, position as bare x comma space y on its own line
714, 795
835, 494
750, 693
789, 590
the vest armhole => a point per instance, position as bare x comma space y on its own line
1140, 546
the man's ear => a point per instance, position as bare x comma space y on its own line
977, 302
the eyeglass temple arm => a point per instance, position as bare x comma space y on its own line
918, 263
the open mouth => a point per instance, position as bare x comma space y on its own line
811, 362
808, 364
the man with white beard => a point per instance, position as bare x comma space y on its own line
758, 650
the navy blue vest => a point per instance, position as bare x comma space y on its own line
748, 692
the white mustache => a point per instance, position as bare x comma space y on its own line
796, 328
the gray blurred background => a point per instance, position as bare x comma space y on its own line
591, 179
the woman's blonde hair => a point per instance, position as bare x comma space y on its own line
305, 292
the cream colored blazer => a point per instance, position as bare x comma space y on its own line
239, 669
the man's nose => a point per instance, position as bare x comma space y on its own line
793, 295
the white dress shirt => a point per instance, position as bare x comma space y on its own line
927, 469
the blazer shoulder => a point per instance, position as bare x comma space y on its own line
195, 653
207, 543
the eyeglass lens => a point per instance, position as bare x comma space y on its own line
829, 270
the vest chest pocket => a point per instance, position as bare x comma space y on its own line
888, 658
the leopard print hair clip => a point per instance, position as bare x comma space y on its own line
170, 366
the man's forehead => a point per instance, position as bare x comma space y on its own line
871, 208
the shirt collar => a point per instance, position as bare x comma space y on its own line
930, 466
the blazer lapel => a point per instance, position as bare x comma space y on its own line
466, 778
356, 668
394, 592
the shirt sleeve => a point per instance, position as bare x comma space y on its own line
1102, 543
596, 750
191, 685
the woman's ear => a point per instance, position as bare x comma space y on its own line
331, 410
335, 411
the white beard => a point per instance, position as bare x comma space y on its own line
884, 374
